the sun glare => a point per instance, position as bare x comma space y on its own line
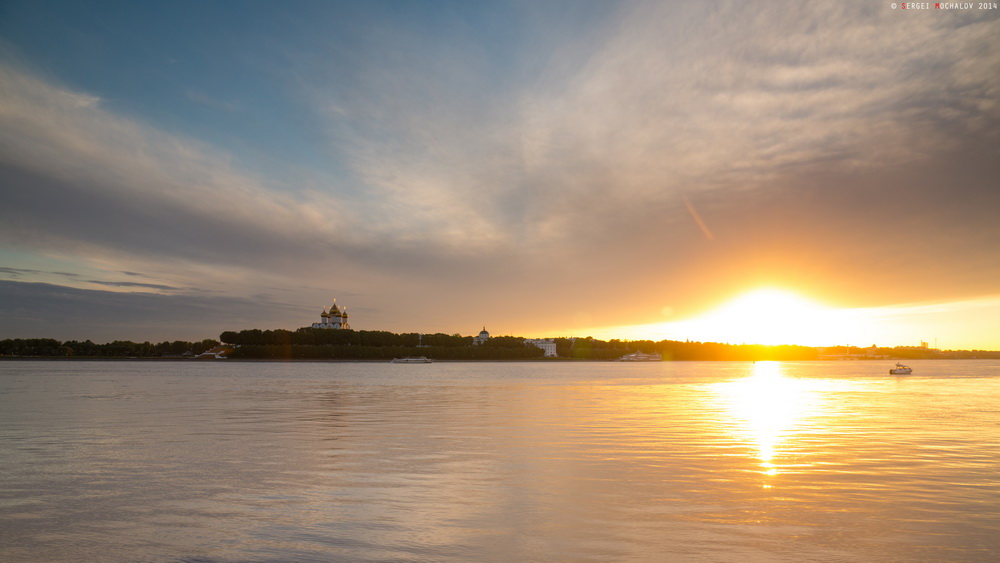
768, 316
774, 316
766, 407
764, 316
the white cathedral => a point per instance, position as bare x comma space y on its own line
336, 318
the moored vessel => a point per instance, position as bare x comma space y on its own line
640, 357
412, 360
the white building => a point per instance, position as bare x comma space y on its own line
547, 344
335, 319
482, 338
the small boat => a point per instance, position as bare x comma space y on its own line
900, 369
412, 360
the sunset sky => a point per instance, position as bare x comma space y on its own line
171, 170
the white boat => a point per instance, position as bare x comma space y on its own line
640, 357
900, 369
412, 360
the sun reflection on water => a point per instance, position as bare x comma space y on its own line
767, 405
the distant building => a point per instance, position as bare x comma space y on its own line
335, 319
547, 344
482, 338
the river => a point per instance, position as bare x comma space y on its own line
529, 461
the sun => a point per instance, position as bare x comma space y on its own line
767, 316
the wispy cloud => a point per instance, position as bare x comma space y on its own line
206, 100
669, 99
21, 272
88, 175
133, 285
51, 311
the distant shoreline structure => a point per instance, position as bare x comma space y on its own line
333, 339
336, 319
383, 361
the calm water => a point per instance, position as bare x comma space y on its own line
220, 462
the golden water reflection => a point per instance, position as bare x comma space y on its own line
767, 408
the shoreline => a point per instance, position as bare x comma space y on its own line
384, 361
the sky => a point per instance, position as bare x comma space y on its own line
172, 170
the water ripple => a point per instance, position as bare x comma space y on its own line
214, 462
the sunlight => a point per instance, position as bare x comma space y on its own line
764, 316
777, 316
768, 405
768, 316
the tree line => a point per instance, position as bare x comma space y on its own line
326, 337
50, 347
312, 343
912, 352
327, 352
317, 343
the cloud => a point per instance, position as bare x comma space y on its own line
89, 176
818, 143
138, 285
77, 176
206, 100
61, 312
816, 118
667, 100
21, 272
